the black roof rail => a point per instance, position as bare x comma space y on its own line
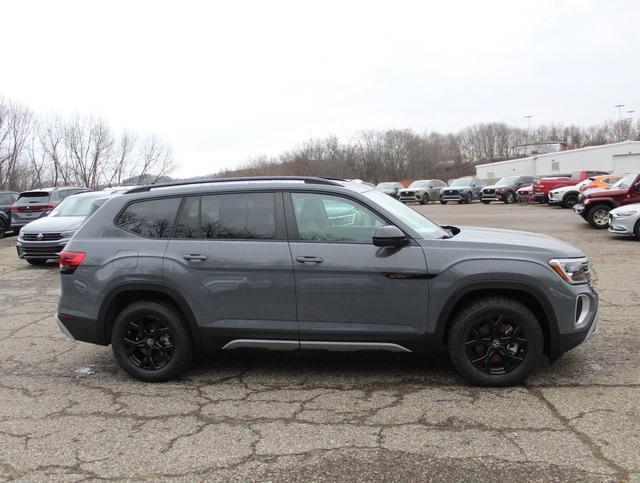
305, 179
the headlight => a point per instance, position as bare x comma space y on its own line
21, 235
572, 270
621, 214
68, 234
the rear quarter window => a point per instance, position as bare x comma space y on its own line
153, 218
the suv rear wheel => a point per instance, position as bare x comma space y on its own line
598, 216
495, 342
150, 341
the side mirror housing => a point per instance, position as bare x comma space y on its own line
389, 236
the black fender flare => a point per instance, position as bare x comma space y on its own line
436, 341
149, 286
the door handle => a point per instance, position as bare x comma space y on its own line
309, 259
195, 258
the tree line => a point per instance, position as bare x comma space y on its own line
398, 154
38, 151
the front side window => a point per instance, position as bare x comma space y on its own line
150, 218
330, 218
247, 216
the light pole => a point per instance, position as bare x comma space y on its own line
528, 118
619, 106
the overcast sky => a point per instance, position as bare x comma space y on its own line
227, 81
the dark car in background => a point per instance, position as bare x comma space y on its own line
44, 238
7, 199
506, 189
390, 188
462, 190
34, 204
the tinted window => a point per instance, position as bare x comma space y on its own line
151, 218
247, 216
332, 218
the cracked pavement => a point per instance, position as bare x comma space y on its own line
67, 412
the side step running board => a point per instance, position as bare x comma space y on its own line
308, 344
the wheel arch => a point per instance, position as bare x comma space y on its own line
529, 295
122, 295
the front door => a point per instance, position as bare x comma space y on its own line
232, 261
348, 290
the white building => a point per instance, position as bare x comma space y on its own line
621, 157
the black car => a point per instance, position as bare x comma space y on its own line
505, 189
7, 199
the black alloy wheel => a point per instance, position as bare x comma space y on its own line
496, 345
149, 343
636, 230
3, 228
570, 200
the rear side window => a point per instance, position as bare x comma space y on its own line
33, 198
247, 216
150, 218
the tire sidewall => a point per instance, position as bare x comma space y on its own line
514, 311
183, 352
510, 198
566, 202
590, 216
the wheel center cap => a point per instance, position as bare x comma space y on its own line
149, 343
495, 343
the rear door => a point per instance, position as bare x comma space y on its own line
230, 257
348, 290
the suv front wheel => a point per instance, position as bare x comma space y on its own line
598, 216
150, 341
495, 342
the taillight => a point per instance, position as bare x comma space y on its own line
15, 208
69, 261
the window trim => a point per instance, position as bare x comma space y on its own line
280, 233
292, 223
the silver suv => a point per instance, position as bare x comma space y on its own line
165, 271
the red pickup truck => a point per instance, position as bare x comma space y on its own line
595, 204
542, 187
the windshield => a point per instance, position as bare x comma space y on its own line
509, 180
76, 206
625, 182
419, 184
461, 182
386, 185
424, 227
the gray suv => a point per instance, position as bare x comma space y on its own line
35, 204
165, 271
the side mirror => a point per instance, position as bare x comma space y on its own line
389, 236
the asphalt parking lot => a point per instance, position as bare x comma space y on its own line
68, 413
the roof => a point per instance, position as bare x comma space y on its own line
635, 144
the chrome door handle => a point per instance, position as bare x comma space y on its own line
195, 258
309, 259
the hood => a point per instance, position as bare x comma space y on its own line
56, 224
413, 189
497, 188
563, 189
603, 192
500, 242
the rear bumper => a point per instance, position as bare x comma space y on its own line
80, 329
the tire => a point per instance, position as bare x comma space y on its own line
3, 228
425, 199
636, 230
517, 352
598, 216
163, 336
36, 261
569, 200
510, 199
469, 199
486, 202
442, 202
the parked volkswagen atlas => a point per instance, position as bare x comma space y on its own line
422, 191
505, 189
390, 188
44, 238
34, 204
165, 271
462, 190
7, 199
625, 220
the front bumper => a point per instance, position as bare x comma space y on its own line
40, 250
578, 208
576, 336
414, 197
622, 226
492, 197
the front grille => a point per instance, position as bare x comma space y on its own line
51, 252
450, 192
408, 193
489, 191
45, 236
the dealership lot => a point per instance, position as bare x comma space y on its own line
67, 411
